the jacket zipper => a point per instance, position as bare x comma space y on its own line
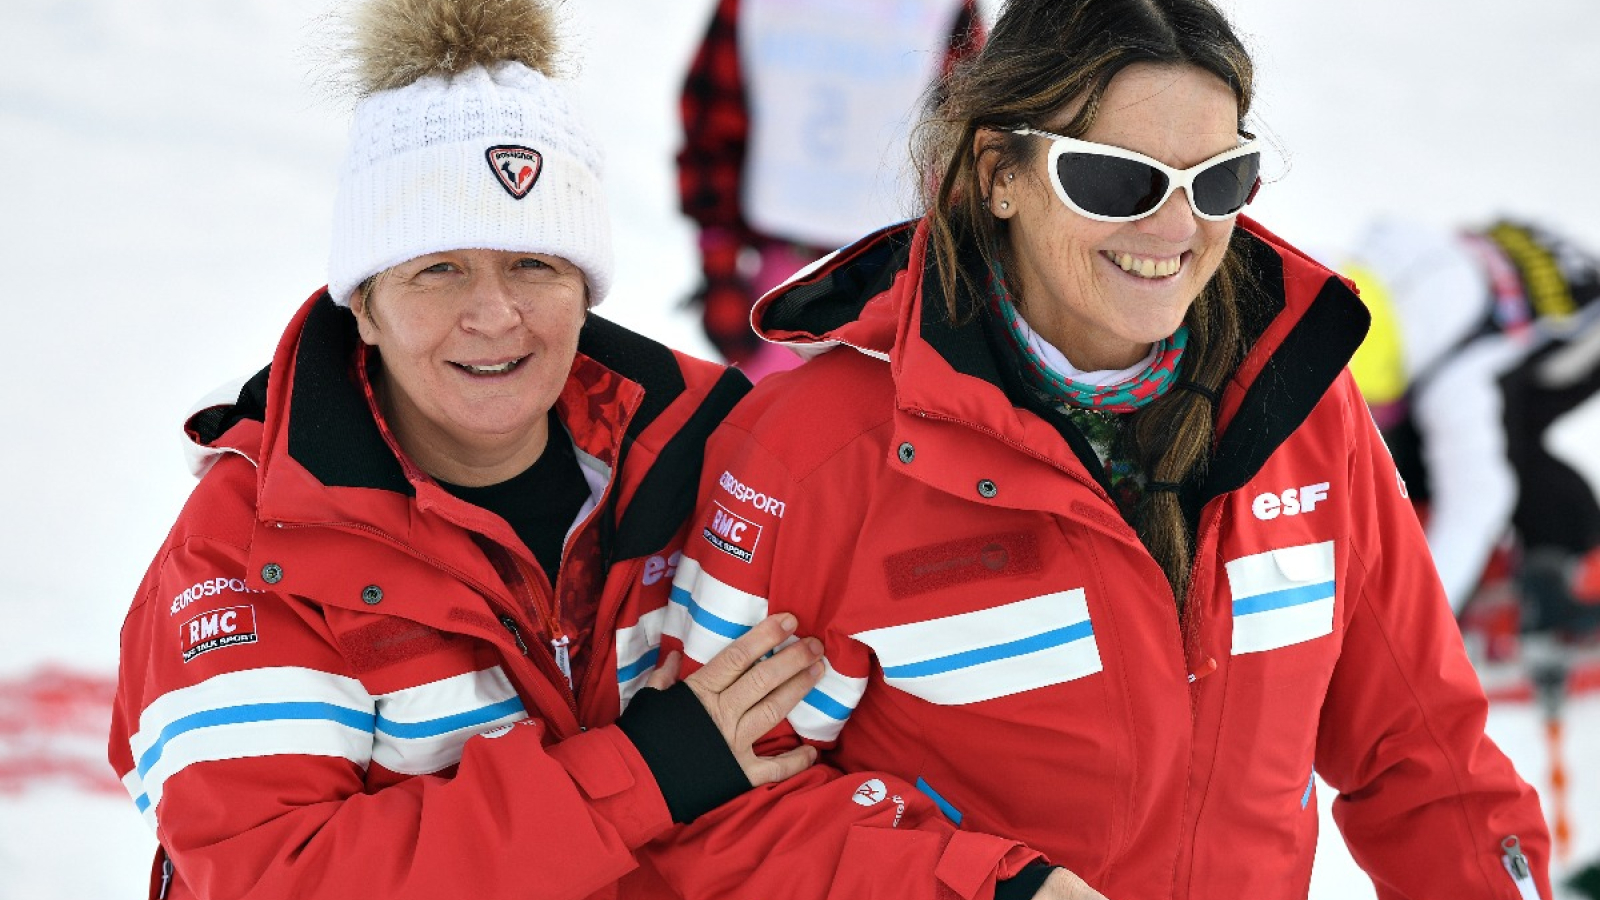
1517, 866
1207, 665
555, 632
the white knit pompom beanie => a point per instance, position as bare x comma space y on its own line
491, 157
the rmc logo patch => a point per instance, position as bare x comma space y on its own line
217, 628
732, 534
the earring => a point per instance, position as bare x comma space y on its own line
1005, 204
1011, 176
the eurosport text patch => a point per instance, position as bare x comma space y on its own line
217, 628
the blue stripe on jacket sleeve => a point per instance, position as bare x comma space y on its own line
826, 705
256, 712
639, 666
447, 724
968, 658
705, 618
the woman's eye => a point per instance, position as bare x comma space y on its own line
438, 268
530, 262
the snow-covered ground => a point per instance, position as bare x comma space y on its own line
166, 177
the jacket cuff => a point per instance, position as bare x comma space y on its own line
616, 781
692, 764
1025, 884
973, 862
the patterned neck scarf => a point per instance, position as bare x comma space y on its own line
1125, 397
1098, 411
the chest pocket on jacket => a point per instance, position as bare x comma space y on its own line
1282, 597
989, 653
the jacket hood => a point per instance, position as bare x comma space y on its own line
845, 298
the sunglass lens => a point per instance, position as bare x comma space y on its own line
1224, 188
1109, 186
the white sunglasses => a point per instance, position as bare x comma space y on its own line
1110, 184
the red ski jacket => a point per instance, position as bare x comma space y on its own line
336, 678
1006, 658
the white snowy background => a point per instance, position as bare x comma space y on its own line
166, 177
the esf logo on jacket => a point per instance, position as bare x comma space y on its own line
1291, 502
658, 567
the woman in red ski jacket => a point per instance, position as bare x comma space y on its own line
1109, 561
384, 650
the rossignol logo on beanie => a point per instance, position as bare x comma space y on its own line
516, 167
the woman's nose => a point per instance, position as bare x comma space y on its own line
1175, 221
492, 306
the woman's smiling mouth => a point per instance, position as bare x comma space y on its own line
1145, 266
496, 369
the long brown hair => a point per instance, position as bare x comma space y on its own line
1042, 56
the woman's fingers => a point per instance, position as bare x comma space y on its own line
665, 674
747, 693
722, 670
767, 769
767, 693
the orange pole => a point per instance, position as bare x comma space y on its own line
1560, 821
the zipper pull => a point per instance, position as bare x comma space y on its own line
1517, 865
511, 626
558, 646
166, 876
1209, 667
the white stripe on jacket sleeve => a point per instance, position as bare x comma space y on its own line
707, 615
420, 730
253, 713
638, 653
822, 713
990, 653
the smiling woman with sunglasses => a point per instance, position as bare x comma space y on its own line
1106, 555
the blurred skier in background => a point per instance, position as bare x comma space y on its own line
1482, 368
796, 121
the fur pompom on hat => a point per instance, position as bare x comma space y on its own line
463, 140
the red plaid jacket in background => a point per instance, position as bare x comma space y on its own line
711, 171
716, 120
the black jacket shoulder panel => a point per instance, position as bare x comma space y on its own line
1295, 378
668, 492
331, 429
